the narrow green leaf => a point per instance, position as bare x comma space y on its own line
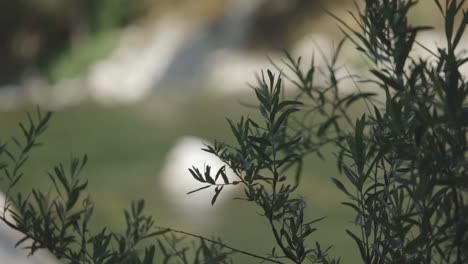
340, 186
218, 190
199, 189
359, 243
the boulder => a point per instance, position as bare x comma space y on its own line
175, 180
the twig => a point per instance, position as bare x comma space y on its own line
220, 244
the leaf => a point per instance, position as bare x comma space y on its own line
358, 96
288, 158
218, 190
355, 207
234, 130
359, 144
450, 14
414, 244
439, 6
149, 255
287, 103
61, 177
157, 233
199, 189
290, 143
323, 128
21, 241
282, 118
222, 171
307, 232
316, 220
461, 30
72, 198
350, 175
207, 175
260, 140
196, 174
340, 186
359, 244
263, 100
388, 80
263, 112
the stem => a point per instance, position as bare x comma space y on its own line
273, 201
171, 244
279, 242
457, 219
43, 244
220, 244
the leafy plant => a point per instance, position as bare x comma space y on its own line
58, 220
403, 161
406, 161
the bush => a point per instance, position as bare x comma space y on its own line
403, 162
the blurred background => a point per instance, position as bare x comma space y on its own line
139, 85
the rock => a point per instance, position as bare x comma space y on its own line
231, 71
11, 96
228, 32
175, 180
133, 69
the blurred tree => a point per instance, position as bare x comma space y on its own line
34, 34
280, 22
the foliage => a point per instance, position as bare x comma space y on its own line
101, 19
58, 220
404, 161
76, 61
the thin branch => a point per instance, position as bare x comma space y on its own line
220, 244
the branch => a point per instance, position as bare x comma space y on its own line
220, 244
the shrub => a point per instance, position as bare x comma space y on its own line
403, 162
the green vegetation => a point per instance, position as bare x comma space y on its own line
125, 167
74, 62
105, 17
61, 38
402, 164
